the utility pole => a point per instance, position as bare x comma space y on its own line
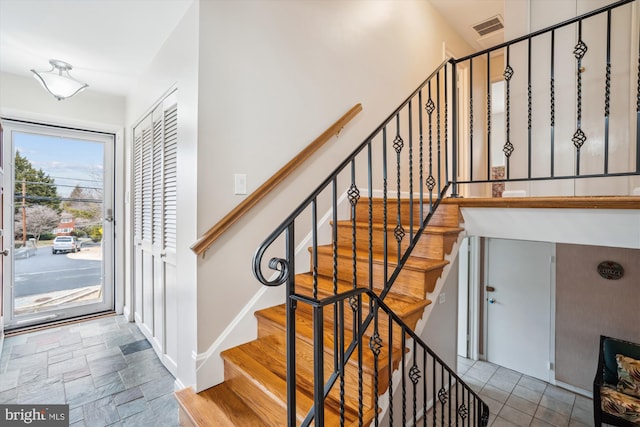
24, 214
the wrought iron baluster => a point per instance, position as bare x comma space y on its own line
403, 345
424, 387
607, 95
342, 360
529, 108
291, 324
579, 136
552, 97
430, 182
508, 148
638, 112
414, 376
318, 365
314, 238
334, 231
449, 392
438, 133
398, 144
488, 116
375, 343
354, 196
471, 119
410, 173
390, 368
370, 185
446, 128
433, 390
385, 247
421, 155
442, 396
360, 354
454, 130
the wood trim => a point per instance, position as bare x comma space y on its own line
239, 211
592, 202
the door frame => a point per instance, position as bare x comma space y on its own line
552, 303
122, 297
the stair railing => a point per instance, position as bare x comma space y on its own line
406, 157
557, 125
431, 393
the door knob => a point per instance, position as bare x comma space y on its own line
492, 300
5, 252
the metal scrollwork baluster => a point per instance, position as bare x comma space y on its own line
398, 144
430, 182
579, 137
508, 147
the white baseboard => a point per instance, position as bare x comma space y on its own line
574, 389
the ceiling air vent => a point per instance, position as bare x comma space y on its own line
489, 26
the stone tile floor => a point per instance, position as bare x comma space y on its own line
104, 369
518, 400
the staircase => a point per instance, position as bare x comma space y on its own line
254, 391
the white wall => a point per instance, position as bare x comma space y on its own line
176, 65
273, 76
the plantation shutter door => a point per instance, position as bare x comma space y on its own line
155, 154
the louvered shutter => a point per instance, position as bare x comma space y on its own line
137, 185
147, 183
170, 175
158, 142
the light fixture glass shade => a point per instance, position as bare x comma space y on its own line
57, 80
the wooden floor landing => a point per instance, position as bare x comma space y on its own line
591, 202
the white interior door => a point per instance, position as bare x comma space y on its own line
518, 301
463, 298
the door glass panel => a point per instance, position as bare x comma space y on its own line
61, 223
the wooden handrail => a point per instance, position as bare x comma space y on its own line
232, 217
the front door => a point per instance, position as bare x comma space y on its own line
518, 306
58, 223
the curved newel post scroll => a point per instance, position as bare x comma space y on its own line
239, 211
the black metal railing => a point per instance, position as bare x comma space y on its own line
375, 206
567, 96
407, 157
430, 392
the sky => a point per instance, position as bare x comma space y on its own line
70, 162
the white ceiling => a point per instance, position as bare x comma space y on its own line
108, 42
111, 42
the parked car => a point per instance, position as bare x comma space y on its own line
27, 250
65, 244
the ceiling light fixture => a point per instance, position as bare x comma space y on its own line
57, 80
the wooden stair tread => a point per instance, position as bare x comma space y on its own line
304, 333
218, 403
401, 304
413, 263
271, 374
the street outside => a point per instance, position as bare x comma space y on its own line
44, 278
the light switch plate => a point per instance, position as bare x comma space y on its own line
240, 186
